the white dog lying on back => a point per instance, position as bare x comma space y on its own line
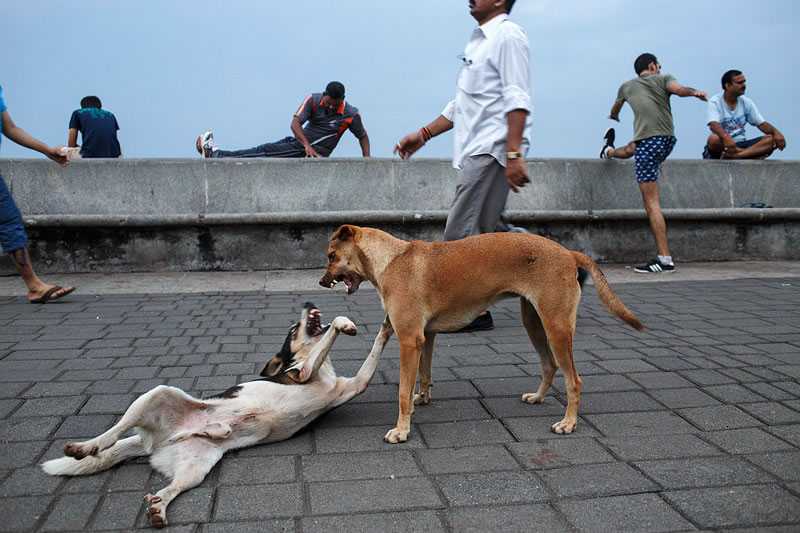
185, 437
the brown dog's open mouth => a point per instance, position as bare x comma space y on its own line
351, 283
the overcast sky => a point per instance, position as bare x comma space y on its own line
171, 69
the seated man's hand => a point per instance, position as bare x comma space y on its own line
780, 140
730, 149
310, 152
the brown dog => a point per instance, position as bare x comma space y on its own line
429, 287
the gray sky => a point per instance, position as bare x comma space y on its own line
171, 69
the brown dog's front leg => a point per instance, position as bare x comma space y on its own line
410, 351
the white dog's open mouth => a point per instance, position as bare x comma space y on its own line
313, 325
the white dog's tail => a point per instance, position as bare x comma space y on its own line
121, 450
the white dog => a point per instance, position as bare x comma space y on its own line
185, 437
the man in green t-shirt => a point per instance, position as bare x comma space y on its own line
653, 139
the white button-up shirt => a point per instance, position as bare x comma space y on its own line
494, 79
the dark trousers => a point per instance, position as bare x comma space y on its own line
286, 147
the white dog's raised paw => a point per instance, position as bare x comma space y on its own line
395, 435
345, 325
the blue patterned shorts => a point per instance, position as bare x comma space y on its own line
649, 154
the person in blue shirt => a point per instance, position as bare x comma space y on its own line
12, 231
98, 129
727, 115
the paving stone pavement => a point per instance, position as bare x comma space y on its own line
693, 425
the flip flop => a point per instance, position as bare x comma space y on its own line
48, 296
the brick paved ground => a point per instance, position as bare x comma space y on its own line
693, 425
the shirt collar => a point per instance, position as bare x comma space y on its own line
491, 27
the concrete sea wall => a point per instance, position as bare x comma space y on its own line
181, 214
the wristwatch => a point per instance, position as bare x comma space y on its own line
513, 155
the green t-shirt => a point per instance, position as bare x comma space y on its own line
649, 98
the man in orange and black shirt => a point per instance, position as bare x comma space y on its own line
326, 117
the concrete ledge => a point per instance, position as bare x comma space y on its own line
402, 217
176, 214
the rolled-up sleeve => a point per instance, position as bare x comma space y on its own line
515, 72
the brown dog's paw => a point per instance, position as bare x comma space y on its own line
421, 399
532, 397
565, 427
395, 435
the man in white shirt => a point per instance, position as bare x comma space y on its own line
727, 114
491, 116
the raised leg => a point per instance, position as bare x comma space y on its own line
425, 374
352, 387
626, 152
533, 325
147, 411
320, 351
193, 460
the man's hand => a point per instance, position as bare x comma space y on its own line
310, 152
516, 174
54, 153
701, 95
614, 117
730, 149
780, 140
409, 144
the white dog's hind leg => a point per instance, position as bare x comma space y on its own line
190, 462
145, 410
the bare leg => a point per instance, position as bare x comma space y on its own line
36, 287
626, 152
760, 150
652, 205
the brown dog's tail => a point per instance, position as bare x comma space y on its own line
607, 295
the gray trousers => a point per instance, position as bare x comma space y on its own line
481, 194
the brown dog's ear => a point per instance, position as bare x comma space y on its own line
273, 367
344, 233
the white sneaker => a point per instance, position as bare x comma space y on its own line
608, 142
205, 144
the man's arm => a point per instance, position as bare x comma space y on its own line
615, 109
297, 129
727, 140
364, 142
19, 136
414, 141
516, 171
72, 140
769, 129
679, 90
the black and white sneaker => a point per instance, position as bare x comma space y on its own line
608, 142
205, 144
655, 267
